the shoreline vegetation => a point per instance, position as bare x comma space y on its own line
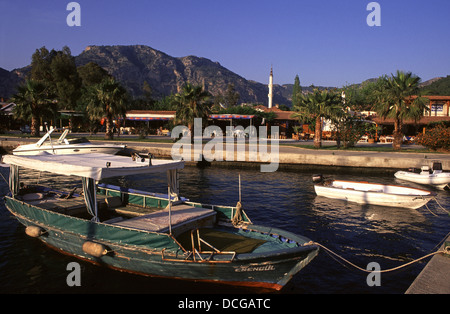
309, 145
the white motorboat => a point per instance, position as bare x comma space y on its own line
372, 193
64, 146
434, 176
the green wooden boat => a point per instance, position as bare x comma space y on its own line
147, 233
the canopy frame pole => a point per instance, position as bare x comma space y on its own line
170, 209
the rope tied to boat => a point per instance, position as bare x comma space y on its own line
237, 218
444, 251
440, 206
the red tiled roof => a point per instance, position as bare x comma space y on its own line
281, 114
434, 97
423, 120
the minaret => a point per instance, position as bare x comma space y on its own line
270, 88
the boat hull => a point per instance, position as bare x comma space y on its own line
29, 150
439, 180
158, 254
374, 194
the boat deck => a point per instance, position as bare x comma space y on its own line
182, 216
70, 206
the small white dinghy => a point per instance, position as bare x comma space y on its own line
434, 176
372, 193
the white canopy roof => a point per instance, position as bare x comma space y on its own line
93, 166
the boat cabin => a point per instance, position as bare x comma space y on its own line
111, 204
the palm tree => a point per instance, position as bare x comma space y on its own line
34, 101
192, 102
107, 100
393, 99
316, 106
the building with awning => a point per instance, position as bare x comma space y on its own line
283, 119
439, 106
231, 116
147, 115
438, 111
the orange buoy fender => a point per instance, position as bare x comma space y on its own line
34, 231
94, 249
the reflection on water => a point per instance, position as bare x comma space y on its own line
360, 233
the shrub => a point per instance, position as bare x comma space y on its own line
435, 138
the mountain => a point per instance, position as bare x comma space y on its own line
438, 86
133, 65
8, 82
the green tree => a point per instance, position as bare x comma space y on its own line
34, 101
231, 96
317, 106
192, 102
40, 65
57, 70
146, 101
393, 99
218, 103
247, 110
107, 100
65, 81
148, 93
296, 92
91, 74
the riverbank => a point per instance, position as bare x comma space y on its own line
289, 156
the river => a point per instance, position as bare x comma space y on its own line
285, 199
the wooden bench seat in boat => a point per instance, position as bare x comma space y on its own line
183, 217
71, 206
114, 203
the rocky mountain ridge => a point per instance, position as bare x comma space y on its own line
133, 65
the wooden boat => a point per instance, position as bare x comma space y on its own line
434, 176
65, 146
147, 233
372, 193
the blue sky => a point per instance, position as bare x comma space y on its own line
325, 42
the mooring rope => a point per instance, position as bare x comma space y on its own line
435, 199
426, 206
440, 206
381, 271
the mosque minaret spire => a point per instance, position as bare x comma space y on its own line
270, 87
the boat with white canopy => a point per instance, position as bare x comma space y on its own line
147, 233
64, 146
372, 193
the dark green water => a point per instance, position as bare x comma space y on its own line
359, 233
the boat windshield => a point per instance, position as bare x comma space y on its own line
76, 140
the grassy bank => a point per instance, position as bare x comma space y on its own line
363, 148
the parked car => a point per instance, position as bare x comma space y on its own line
25, 129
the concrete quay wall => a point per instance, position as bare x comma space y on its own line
295, 156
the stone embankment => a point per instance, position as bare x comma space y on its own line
292, 157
